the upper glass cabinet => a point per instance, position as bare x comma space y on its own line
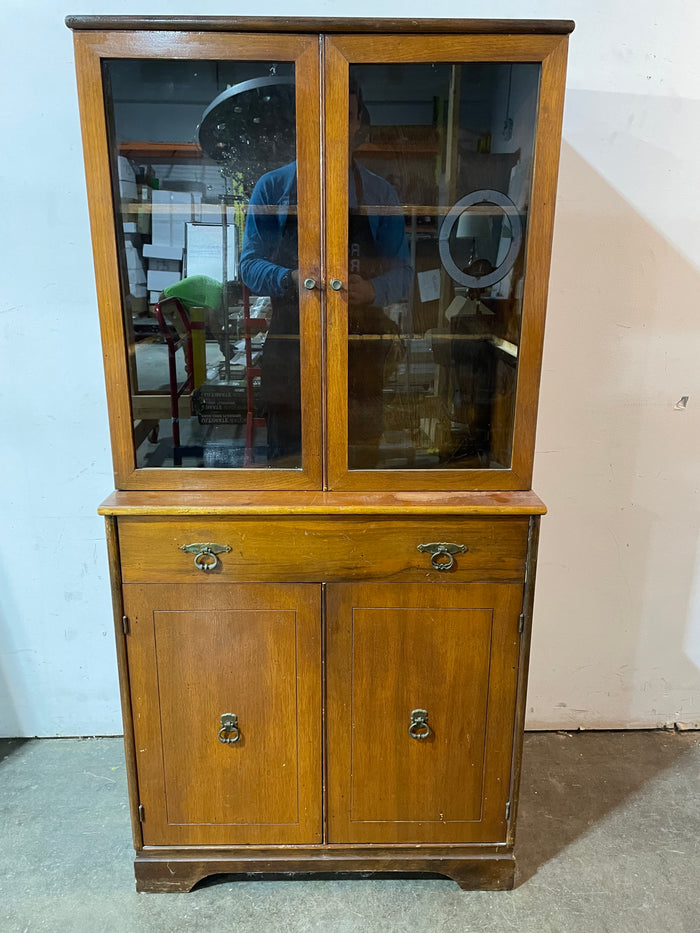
326, 276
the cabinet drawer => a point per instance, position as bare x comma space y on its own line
318, 549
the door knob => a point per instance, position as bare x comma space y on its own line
309, 283
336, 285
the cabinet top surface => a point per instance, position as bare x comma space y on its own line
321, 503
320, 24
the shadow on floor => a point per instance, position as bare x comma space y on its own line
213, 880
571, 781
9, 746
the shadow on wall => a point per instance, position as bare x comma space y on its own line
617, 466
10, 724
9, 716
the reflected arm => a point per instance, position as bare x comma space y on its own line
262, 268
389, 233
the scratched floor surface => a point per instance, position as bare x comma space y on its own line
608, 842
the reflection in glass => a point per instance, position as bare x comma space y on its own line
203, 232
378, 276
480, 239
455, 143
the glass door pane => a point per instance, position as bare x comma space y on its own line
441, 165
203, 160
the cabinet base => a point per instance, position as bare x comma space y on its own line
162, 870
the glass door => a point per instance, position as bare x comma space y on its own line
439, 216
208, 284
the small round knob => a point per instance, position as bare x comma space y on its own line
336, 285
309, 283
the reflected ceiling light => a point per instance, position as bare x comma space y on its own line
252, 125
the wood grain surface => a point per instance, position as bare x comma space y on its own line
264, 502
452, 651
196, 653
320, 24
314, 549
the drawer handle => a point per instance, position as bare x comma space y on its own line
205, 555
229, 731
441, 550
419, 728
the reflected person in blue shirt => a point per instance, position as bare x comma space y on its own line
379, 275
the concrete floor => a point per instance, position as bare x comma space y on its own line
608, 842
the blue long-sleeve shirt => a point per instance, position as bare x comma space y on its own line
262, 266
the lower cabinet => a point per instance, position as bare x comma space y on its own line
198, 656
270, 715
350, 723
421, 685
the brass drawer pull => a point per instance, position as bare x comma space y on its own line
419, 728
441, 550
205, 554
229, 731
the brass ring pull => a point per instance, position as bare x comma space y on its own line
441, 553
419, 728
206, 560
229, 731
206, 555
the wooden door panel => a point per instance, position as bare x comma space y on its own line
508, 428
406, 659
197, 653
451, 650
92, 50
228, 666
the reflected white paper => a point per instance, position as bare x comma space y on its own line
429, 285
203, 251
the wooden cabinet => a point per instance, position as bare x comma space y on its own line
322, 286
445, 657
197, 653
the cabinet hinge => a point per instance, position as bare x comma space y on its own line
508, 810
521, 623
142, 814
125, 624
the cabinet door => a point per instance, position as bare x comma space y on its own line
197, 653
446, 656
441, 155
200, 148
